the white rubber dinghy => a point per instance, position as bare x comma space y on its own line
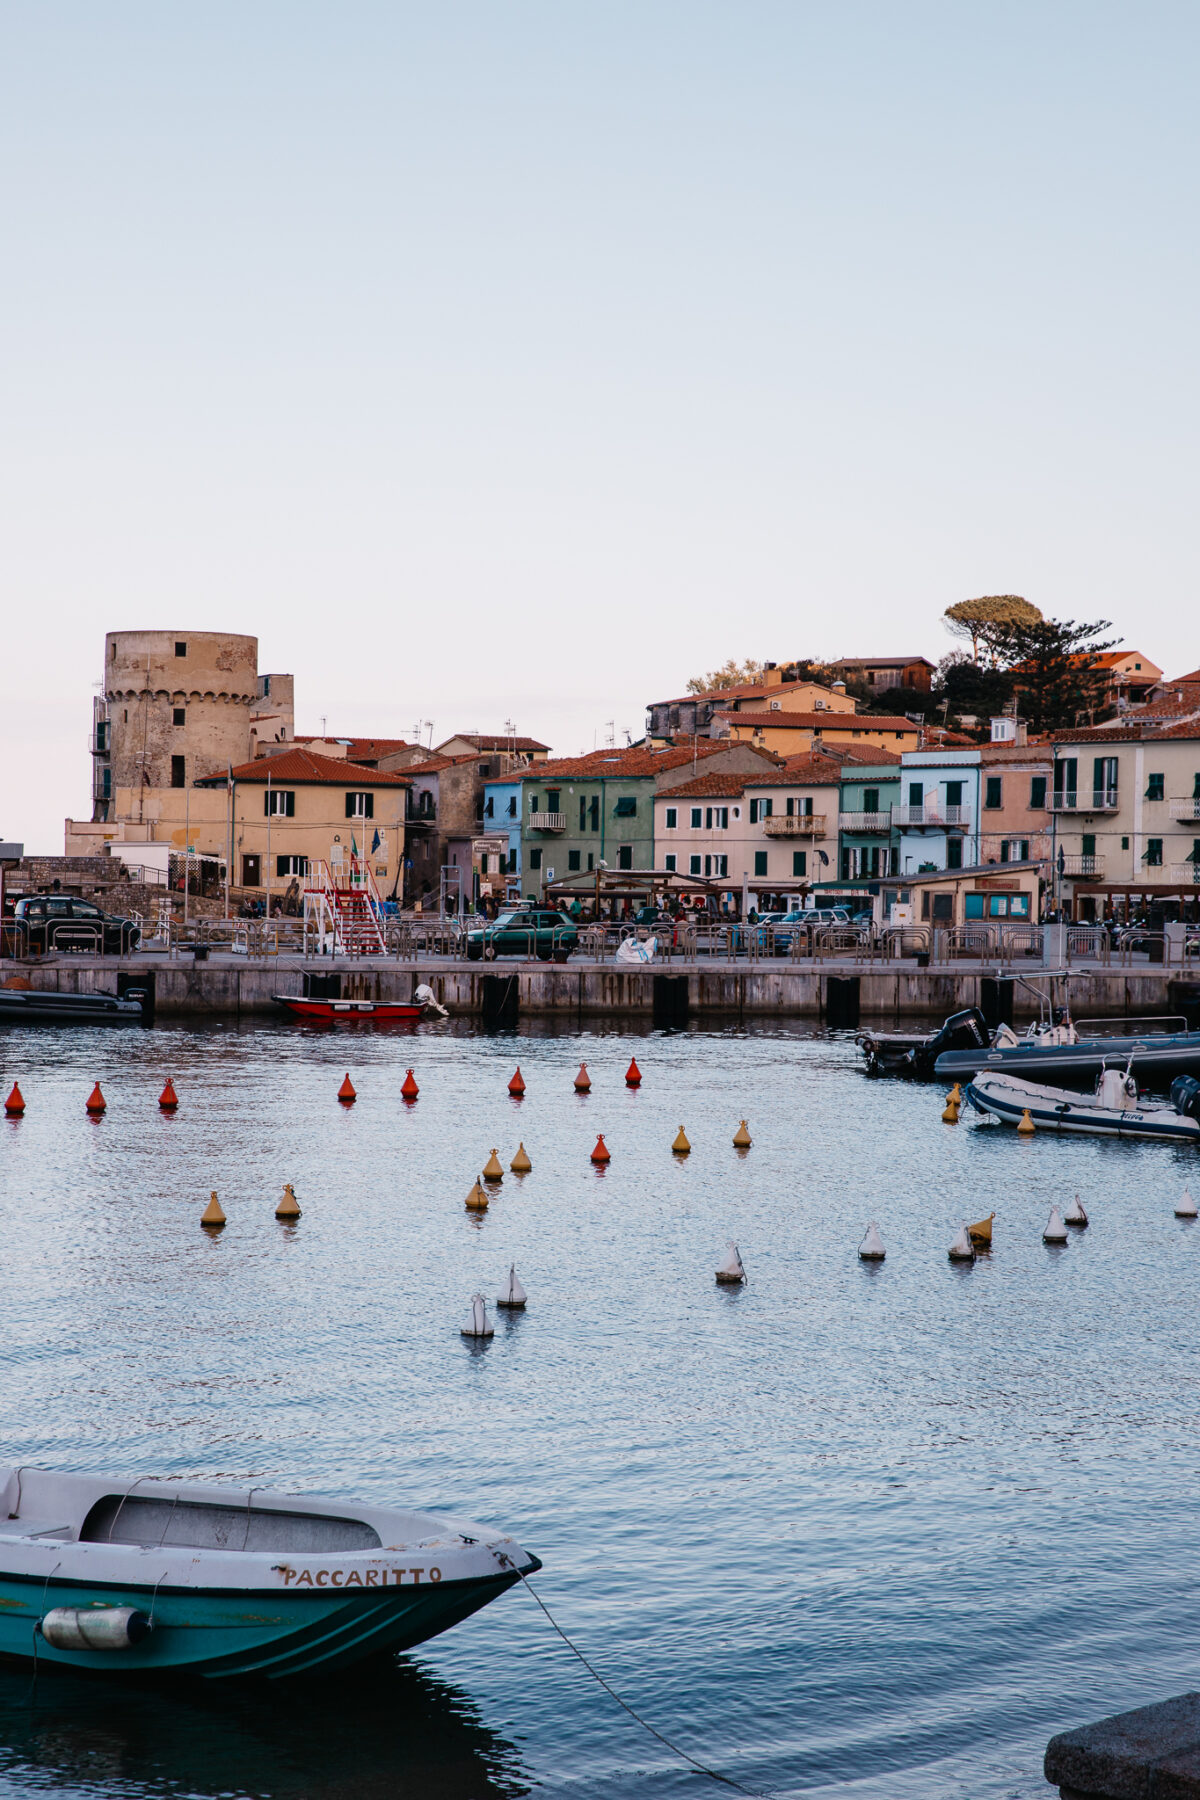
1114, 1110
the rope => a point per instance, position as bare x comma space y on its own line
675, 1749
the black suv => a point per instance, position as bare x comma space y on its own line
58, 922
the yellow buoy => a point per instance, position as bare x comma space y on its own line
954, 1097
681, 1146
493, 1169
741, 1137
477, 1199
950, 1116
289, 1206
212, 1218
1027, 1127
520, 1164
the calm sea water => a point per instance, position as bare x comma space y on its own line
874, 1532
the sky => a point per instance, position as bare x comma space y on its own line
519, 362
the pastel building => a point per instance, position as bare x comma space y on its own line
936, 818
773, 830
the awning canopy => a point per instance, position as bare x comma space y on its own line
624, 884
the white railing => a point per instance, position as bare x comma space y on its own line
931, 814
547, 821
1092, 866
1187, 872
1186, 807
1083, 800
865, 821
794, 825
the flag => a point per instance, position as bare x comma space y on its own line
353, 845
376, 841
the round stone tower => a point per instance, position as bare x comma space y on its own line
178, 704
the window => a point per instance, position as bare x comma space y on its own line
916, 794
669, 864
697, 818
626, 807
954, 793
1089, 843
594, 812
279, 803
181, 650
672, 818
1154, 787
1037, 793
799, 862
553, 799
992, 792
973, 903
791, 806
760, 862
178, 771
954, 853
754, 812
722, 817
533, 803
489, 807
943, 909
708, 818
572, 860
512, 806
1104, 780
291, 865
720, 865
708, 862
870, 800
1153, 854
625, 856
591, 862
583, 812
179, 715
535, 857
360, 806
693, 865
1195, 855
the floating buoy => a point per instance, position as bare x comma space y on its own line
168, 1100
681, 1146
954, 1097
516, 1086
346, 1093
871, 1249
962, 1249
1056, 1231
96, 1102
14, 1106
212, 1218
493, 1168
950, 1116
514, 1295
478, 1325
1027, 1127
477, 1199
600, 1153
741, 1137
633, 1075
731, 1270
980, 1233
408, 1087
520, 1164
1185, 1206
1075, 1214
583, 1081
289, 1206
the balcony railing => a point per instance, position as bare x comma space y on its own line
865, 821
931, 814
1083, 800
547, 821
1187, 872
1186, 807
795, 825
1090, 866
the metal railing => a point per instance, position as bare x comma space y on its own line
1083, 865
865, 821
1080, 800
795, 825
931, 813
547, 821
1186, 806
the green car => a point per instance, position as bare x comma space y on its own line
524, 931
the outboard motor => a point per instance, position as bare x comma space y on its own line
966, 1030
1185, 1096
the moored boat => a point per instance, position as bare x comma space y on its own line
327, 1011
43, 1006
1156, 1053
195, 1577
1115, 1109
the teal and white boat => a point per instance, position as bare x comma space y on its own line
150, 1575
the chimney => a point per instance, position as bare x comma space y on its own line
837, 687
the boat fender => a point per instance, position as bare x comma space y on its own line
94, 1627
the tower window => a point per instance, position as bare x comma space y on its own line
180, 649
179, 715
178, 775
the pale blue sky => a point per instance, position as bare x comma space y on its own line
520, 360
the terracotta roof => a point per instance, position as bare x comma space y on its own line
1132, 731
630, 762
714, 786
1016, 753
859, 753
302, 766
816, 770
1106, 659
881, 662
433, 765
367, 749
482, 741
744, 690
820, 721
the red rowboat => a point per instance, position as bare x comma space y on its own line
329, 1011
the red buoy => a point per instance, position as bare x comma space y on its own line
600, 1153
168, 1099
408, 1087
516, 1086
346, 1093
583, 1081
633, 1075
14, 1106
96, 1101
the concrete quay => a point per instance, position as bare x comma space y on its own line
833, 992
1152, 1753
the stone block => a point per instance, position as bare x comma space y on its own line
1152, 1753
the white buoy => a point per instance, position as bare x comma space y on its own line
1056, 1231
514, 1294
871, 1249
731, 1270
962, 1249
1185, 1206
478, 1325
1075, 1214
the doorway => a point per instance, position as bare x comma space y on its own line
252, 871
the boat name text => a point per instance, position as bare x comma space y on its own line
356, 1577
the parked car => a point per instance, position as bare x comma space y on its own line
785, 925
524, 931
58, 922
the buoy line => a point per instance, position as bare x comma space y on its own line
675, 1749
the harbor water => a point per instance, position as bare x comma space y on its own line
876, 1531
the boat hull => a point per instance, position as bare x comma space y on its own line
27, 1006
1154, 1061
1058, 1111
330, 1012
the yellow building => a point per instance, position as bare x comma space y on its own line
789, 733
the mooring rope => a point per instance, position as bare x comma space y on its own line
675, 1749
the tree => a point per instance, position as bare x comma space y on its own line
729, 675
980, 619
962, 686
1053, 669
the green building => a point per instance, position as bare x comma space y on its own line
867, 844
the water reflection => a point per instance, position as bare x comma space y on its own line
386, 1730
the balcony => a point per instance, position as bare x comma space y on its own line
1186, 807
1098, 800
1090, 867
1186, 872
547, 821
931, 814
865, 821
795, 825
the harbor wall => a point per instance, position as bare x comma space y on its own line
833, 993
